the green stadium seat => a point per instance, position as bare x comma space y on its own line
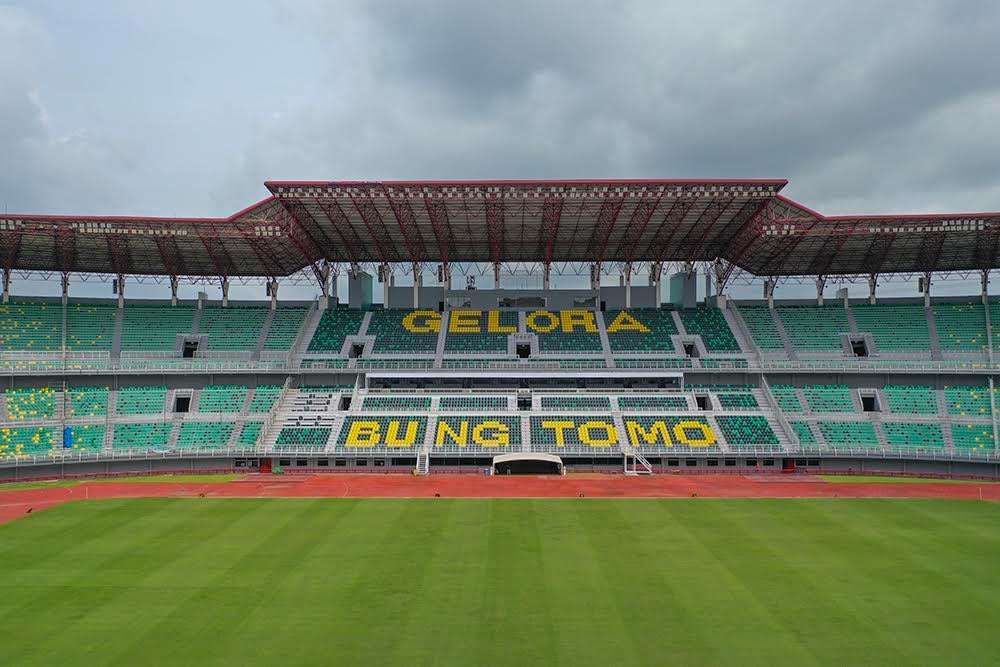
623, 336
29, 403
663, 433
285, 326
334, 326
911, 399
473, 403
710, 323
787, 398
222, 398
972, 436
559, 432
31, 326
804, 432
461, 433
744, 430
397, 403
575, 403
393, 337
849, 433
462, 337
653, 403
961, 327
968, 400
829, 398
249, 435
815, 327
141, 400
556, 334
297, 437
373, 432
87, 401
907, 435
204, 435
233, 328
86, 438
90, 327
738, 402
264, 398
27, 441
762, 328
146, 437
895, 327
151, 327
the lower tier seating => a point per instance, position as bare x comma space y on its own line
250, 435
560, 431
669, 432
27, 441
910, 435
141, 400
397, 403
972, 436
24, 403
463, 432
804, 431
86, 438
829, 398
264, 398
746, 430
473, 403
87, 401
859, 434
204, 435
575, 403
652, 403
380, 432
154, 436
222, 398
296, 437
911, 399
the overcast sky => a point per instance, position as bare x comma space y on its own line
185, 108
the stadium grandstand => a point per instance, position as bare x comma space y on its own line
443, 377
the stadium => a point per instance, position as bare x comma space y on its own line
432, 379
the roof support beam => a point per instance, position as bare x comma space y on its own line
610, 209
437, 213
877, 251
831, 249
64, 238
551, 217
495, 228
377, 230
407, 222
930, 250
706, 223
342, 228
216, 251
118, 250
6, 284
660, 246
639, 220
170, 255
10, 248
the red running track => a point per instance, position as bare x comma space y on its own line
16, 503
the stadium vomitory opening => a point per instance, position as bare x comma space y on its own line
459, 374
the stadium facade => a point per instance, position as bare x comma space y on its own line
445, 377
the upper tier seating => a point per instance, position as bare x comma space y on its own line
911, 399
264, 398
204, 435
87, 401
961, 327
640, 329
334, 325
746, 430
152, 436
787, 398
222, 398
829, 398
972, 436
474, 403
895, 327
564, 331
90, 327
654, 403
575, 403
815, 327
404, 331
285, 327
968, 400
849, 433
710, 323
155, 327
403, 404
232, 327
762, 328
479, 331
27, 441
141, 400
32, 326
910, 435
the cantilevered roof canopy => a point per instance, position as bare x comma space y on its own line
744, 221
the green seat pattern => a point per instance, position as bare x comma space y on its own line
87, 438
545, 438
446, 440
155, 327
484, 341
652, 403
849, 433
787, 398
815, 327
233, 327
249, 435
581, 403
907, 435
90, 327
961, 327
141, 400
557, 340
972, 436
397, 403
738, 401
710, 323
27, 441
334, 326
285, 327
31, 326
968, 400
653, 363
204, 435
222, 398
296, 437
676, 425
829, 398
746, 430
911, 399
87, 402
25, 403
804, 432
660, 323
264, 398
895, 327
474, 403
142, 436
762, 328
393, 432
391, 337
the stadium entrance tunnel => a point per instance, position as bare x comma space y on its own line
528, 464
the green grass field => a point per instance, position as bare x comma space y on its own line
502, 582
138, 479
